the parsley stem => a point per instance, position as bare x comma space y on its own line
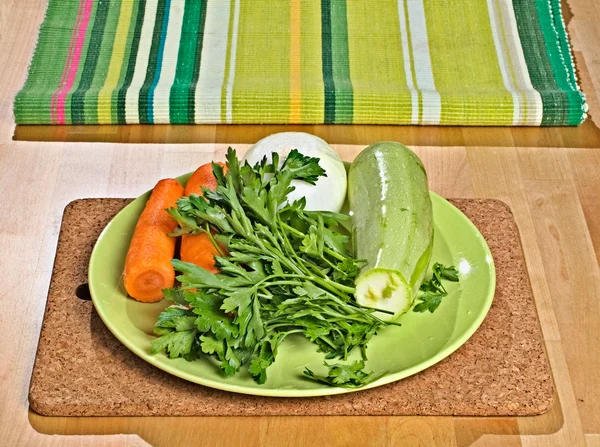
284, 283
299, 234
329, 285
212, 240
335, 254
278, 254
268, 278
287, 244
288, 324
314, 268
341, 287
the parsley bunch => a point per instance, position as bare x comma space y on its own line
283, 270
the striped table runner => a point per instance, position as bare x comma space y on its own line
448, 62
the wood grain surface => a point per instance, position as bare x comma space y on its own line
549, 177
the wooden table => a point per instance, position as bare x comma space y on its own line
550, 178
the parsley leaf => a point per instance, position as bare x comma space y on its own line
448, 273
311, 244
346, 270
238, 301
345, 376
429, 302
175, 318
211, 345
210, 317
177, 332
302, 167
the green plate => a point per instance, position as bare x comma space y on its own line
421, 341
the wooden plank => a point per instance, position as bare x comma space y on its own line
584, 169
571, 431
470, 431
500, 179
574, 283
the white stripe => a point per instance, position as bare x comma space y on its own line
432, 104
232, 57
503, 63
212, 66
532, 96
407, 67
169, 62
141, 64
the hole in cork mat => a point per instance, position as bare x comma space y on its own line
83, 292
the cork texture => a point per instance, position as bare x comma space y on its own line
82, 370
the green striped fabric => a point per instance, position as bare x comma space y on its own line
462, 62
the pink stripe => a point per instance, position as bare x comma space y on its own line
67, 63
60, 106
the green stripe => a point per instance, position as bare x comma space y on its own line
559, 52
327, 58
552, 49
197, 62
341, 67
545, 22
131, 36
159, 60
378, 80
549, 61
261, 88
538, 63
228, 57
143, 108
181, 100
563, 41
91, 60
465, 65
312, 107
106, 49
412, 64
524, 105
135, 43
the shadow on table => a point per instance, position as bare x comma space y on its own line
185, 431
585, 136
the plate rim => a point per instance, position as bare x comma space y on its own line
445, 352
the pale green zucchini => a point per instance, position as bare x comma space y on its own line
392, 226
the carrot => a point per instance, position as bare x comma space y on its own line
148, 267
203, 176
198, 248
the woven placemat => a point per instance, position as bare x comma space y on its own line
82, 370
461, 62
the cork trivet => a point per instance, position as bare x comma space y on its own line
82, 370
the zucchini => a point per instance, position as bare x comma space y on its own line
392, 226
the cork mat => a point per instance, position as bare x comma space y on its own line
82, 370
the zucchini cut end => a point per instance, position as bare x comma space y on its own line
384, 289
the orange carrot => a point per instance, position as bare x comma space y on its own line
203, 176
148, 267
198, 248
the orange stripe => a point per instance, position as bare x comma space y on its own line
295, 66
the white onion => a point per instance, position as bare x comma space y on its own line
329, 193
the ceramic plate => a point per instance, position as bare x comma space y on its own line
423, 339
